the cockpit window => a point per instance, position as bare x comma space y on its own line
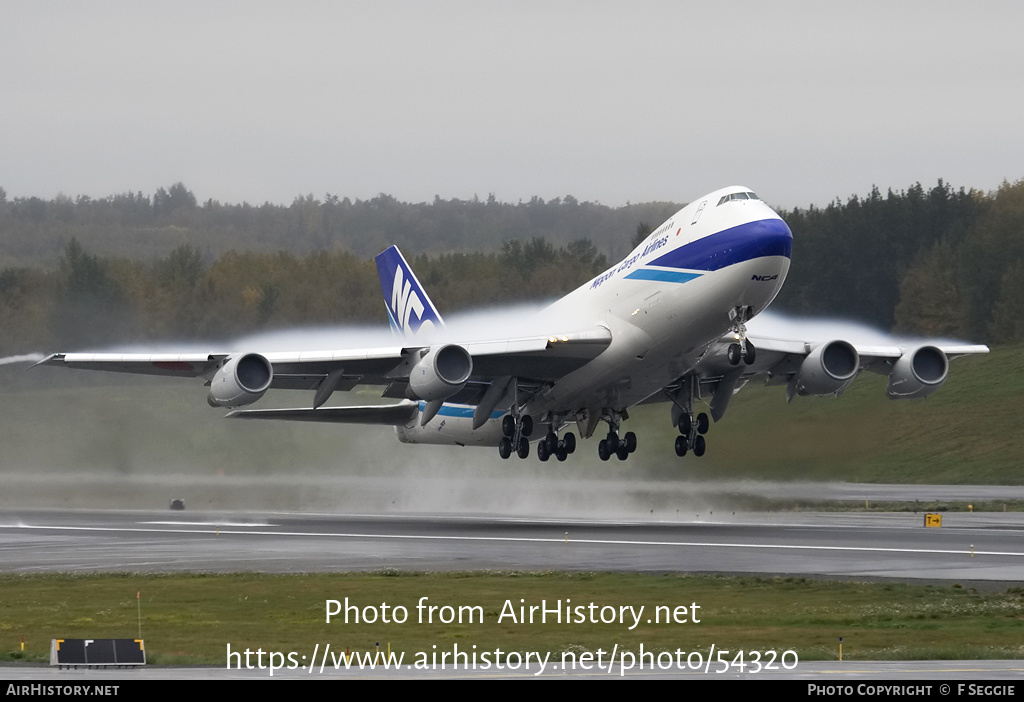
737, 196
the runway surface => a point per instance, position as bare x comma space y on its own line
979, 549
967, 548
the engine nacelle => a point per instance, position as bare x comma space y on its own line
241, 381
827, 369
441, 373
918, 373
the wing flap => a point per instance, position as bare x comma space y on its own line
388, 415
179, 365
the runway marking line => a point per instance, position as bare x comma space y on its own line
237, 525
520, 539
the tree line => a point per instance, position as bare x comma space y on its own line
935, 262
137, 226
938, 261
90, 300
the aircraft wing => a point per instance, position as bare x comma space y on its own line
778, 356
249, 375
825, 367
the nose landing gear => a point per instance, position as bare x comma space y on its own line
743, 349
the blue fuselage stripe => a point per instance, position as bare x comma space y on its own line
662, 275
766, 237
459, 411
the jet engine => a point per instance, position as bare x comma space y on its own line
827, 369
241, 381
441, 373
918, 373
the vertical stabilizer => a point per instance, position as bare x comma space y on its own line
410, 310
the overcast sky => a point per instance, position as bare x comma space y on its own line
607, 101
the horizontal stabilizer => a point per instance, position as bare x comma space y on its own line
388, 415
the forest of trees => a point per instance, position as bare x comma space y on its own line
938, 262
138, 227
131, 267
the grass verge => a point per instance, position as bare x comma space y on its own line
194, 618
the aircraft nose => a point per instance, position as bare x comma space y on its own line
771, 237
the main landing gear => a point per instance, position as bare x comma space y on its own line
550, 446
612, 445
691, 434
516, 429
516, 440
743, 349
692, 427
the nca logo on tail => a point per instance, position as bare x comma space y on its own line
407, 297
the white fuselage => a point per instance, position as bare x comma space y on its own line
664, 305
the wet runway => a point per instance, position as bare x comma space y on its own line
968, 547
984, 548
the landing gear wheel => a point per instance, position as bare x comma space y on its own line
602, 450
524, 447
613, 442
552, 441
733, 354
508, 425
630, 442
703, 423
685, 424
750, 355
527, 424
561, 453
699, 446
505, 447
681, 446
542, 451
622, 453
570, 442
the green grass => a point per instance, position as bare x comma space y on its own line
192, 618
